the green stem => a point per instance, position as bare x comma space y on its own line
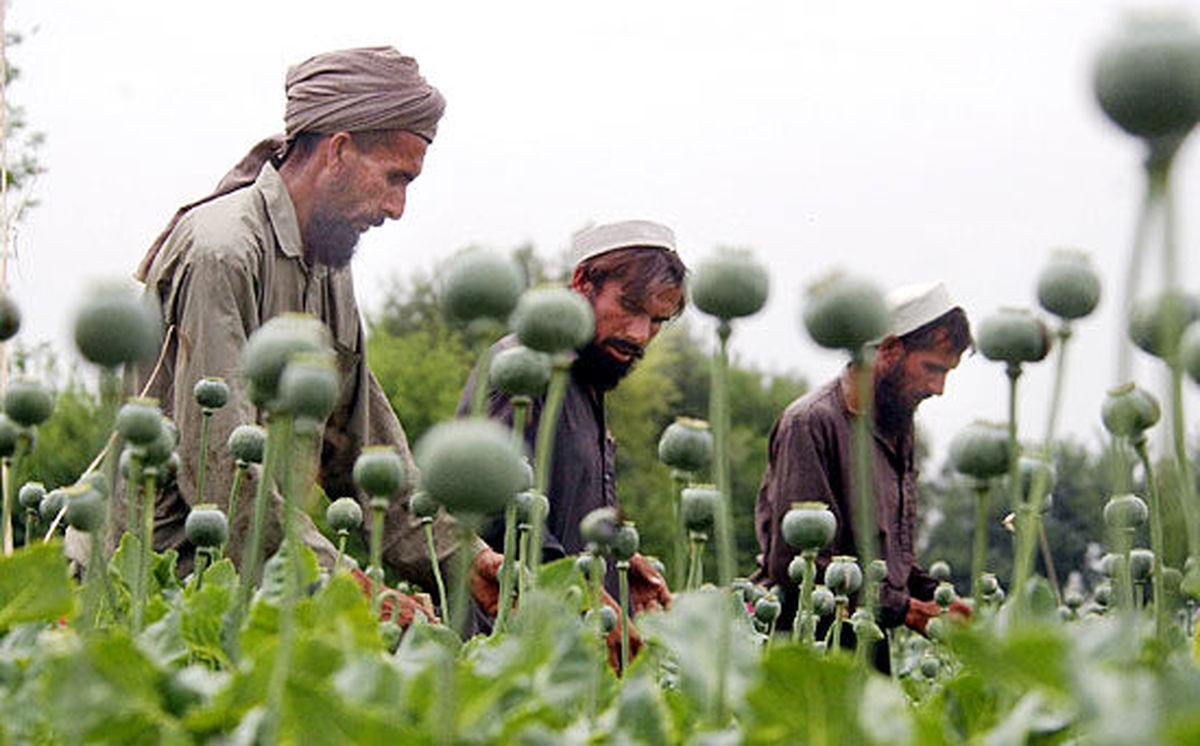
239, 472
31, 518
252, 558
864, 473
146, 548
462, 570
1157, 541
525, 563
479, 396
547, 424
1133, 275
427, 527
202, 555
379, 508
1020, 539
204, 422
520, 406
92, 585
623, 576
979, 550
1125, 538
804, 605
6, 514
837, 622
719, 403
342, 534
680, 550
1179, 436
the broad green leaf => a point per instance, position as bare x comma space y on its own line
805, 698
34, 585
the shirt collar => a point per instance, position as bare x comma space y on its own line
280, 210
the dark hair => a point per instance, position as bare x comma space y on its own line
951, 326
304, 144
645, 269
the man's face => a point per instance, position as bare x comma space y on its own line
908, 377
363, 187
624, 326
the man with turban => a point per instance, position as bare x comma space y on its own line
276, 237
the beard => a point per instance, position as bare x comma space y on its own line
593, 365
330, 239
893, 412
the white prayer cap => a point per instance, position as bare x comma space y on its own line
627, 234
914, 306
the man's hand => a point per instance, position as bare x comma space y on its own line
920, 612
614, 638
485, 579
647, 588
408, 605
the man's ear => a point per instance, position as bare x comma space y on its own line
580, 283
336, 148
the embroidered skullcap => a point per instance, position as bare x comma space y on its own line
627, 234
914, 306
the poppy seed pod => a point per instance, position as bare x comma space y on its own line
344, 514
1189, 351
1157, 323
116, 325
845, 313
626, 543
686, 445
599, 527
139, 420
553, 320
808, 525
865, 628
422, 505
471, 466
379, 472
930, 666
520, 371
797, 569
480, 283
767, 608
699, 505
528, 502
980, 450
30, 495
877, 571
1013, 336
206, 526
1147, 78
271, 347
823, 601
51, 505
85, 507
944, 594
988, 584
10, 317
158, 451
843, 576
729, 284
1129, 410
211, 393
246, 444
1069, 286
608, 618
9, 432
28, 402
1141, 565
309, 386
1125, 512
940, 571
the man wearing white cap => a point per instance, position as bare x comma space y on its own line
811, 455
633, 278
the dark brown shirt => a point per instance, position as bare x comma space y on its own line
811, 457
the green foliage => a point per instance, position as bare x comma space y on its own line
34, 586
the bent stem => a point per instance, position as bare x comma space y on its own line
547, 424
427, 527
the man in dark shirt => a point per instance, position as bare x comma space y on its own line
633, 278
811, 455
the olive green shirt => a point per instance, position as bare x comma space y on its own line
229, 265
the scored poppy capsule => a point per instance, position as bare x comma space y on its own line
844, 313
553, 320
729, 284
117, 324
480, 283
344, 514
1069, 286
686, 444
823, 601
520, 371
28, 402
843, 576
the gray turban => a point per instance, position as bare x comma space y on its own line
352, 90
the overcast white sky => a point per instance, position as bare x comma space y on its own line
902, 141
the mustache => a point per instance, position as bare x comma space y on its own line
632, 349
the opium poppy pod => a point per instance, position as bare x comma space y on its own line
309, 386
808, 525
600, 527
980, 450
1013, 336
116, 324
53, 502
823, 600
471, 466
699, 505
85, 507
520, 371
1141, 565
944, 594
1069, 286
1157, 323
271, 347
422, 505
729, 284
9, 432
626, 543
877, 571
158, 451
379, 472
480, 283
246, 444
211, 392
797, 569
767, 608
344, 514
553, 320
528, 502
31, 494
1129, 410
1147, 78
28, 402
843, 576
845, 313
686, 445
206, 526
10, 317
140, 421
940, 571
1125, 511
